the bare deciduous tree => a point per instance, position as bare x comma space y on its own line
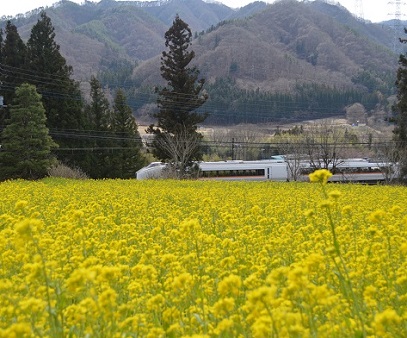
180, 148
387, 159
294, 150
244, 139
324, 146
240, 142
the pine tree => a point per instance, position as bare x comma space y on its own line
1, 46
401, 114
2, 117
178, 101
26, 144
60, 94
99, 120
98, 111
127, 157
13, 58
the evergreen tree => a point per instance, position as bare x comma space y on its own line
60, 94
178, 101
401, 113
98, 111
1, 91
1, 49
99, 120
26, 144
13, 56
127, 157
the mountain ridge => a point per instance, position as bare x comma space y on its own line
270, 48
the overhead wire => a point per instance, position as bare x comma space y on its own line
35, 78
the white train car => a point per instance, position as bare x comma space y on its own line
153, 170
275, 169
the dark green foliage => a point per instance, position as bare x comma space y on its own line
126, 158
181, 98
1, 45
401, 113
97, 141
13, 56
230, 104
113, 141
98, 111
116, 73
61, 95
26, 144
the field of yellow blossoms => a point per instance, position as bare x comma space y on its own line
127, 258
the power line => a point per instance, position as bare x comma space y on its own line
212, 108
46, 79
397, 24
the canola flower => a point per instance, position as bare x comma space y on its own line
202, 259
320, 176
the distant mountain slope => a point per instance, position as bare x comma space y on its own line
381, 33
248, 10
128, 30
288, 43
198, 14
95, 34
285, 48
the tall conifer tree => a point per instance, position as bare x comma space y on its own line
401, 114
1, 45
26, 144
60, 94
2, 119
127, 157
99, 120
98, 111
177, 118
13, 59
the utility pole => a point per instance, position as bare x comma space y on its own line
397, 24
233, 148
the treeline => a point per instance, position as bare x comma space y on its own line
228, 104
99, 138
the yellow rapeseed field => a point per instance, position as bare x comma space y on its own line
127, 258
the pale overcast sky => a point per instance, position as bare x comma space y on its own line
373, 10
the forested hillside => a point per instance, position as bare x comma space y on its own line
286, 61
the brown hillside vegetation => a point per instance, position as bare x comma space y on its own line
286, 48
286, 44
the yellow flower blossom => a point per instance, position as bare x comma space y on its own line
20, 205
107, 299
223, 326
230, 285
320, 176
334, 194
385, 321
223, 306
24, 228
115, 259
377, 216
156, 302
